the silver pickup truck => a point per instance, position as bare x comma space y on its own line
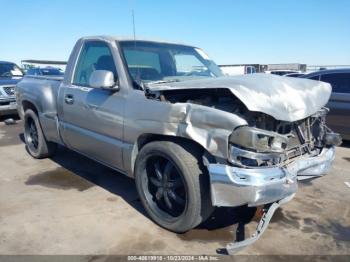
163, 114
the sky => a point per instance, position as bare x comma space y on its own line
315, 32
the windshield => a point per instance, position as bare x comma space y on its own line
9, 70
154, 62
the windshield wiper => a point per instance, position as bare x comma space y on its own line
162, 81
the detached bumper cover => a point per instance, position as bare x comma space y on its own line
234, 186
234, 247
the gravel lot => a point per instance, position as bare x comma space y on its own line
72, 205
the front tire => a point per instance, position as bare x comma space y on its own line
36, 144
173, 185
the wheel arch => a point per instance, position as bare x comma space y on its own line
147, 138
29, 105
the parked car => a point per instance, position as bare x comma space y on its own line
46, 71
10, 74
339, 103
163, 114
281, 72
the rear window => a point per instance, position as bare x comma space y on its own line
340, 82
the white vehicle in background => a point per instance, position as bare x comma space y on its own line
231, 70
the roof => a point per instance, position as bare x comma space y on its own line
121, 39
328, 71
6, 62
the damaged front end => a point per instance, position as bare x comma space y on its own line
280, 141
263, 157
267, 157
266, 160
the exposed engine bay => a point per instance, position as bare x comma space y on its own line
265, 141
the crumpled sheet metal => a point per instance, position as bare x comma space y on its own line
284, 98
207, 126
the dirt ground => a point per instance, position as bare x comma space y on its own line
72, 205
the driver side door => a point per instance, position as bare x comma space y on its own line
92, 118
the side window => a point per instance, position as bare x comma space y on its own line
340, 82
95, 55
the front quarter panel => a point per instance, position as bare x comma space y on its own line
206, 126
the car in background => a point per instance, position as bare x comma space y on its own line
10, 75
294, 74
281, 72
46, 71
338, 118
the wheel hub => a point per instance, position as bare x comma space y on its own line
166, 187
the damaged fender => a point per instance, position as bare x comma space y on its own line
209, 127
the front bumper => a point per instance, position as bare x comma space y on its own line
234, 186
8, 107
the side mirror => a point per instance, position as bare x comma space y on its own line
103, 79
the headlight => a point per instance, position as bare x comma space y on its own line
259, 140
255, 147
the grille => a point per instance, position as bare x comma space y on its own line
9, 90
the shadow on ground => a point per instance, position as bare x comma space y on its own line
9, 132
80, 173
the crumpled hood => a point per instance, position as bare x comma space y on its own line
284, 98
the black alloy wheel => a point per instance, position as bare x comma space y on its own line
165, 189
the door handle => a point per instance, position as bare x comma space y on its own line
90, 106
69, 99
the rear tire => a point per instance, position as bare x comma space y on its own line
173, 185
36, 144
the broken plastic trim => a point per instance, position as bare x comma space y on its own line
259, 139
234, 247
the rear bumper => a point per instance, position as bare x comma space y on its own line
234, 186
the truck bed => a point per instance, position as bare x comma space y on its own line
42, 92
